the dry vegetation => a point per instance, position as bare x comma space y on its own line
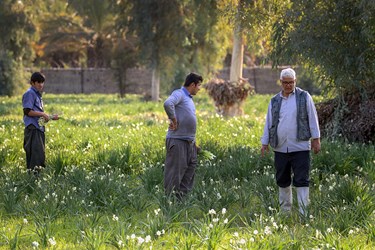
355, 122
229, 96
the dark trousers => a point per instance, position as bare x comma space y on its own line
180, 164
298, 162
34, 145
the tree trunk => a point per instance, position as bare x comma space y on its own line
233, 110
236, 65
155, 85
121, 80
237, 56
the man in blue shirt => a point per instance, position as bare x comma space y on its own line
181, 159
292, 129
34, 138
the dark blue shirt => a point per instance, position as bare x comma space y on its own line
32, 99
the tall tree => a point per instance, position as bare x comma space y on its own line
177, 36
336, 38
159, 24
230, 95
17, 31
236, 66
64, 40
251, 22
98, 17
125, 46
208, 37
74, 33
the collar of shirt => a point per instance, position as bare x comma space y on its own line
36, 91
281, 93
187, 92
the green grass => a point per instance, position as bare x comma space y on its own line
103, 185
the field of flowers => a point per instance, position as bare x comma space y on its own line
103, 185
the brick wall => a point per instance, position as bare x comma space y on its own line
138, 81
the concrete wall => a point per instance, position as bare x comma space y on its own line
89, 80
264, 80
138, 81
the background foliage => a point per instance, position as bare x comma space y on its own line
336, 40
18, 30
173, 37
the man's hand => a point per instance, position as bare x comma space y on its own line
173, 124
315, 145
46, 117
264, 149
55, 117
198, 149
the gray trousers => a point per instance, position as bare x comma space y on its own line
34, 145
180, 164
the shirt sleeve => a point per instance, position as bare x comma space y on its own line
313, 117
171, 102
28, 100
266, 138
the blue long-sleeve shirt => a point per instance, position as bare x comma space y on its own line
180, 105
287, 127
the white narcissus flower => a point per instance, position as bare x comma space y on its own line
156, 211
267, 230
120, 243
52, 241
212, 211
148, 238
140, 240
35, 244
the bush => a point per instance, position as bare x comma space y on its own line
11, 75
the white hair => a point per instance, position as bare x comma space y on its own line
288, 73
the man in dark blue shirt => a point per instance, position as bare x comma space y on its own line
34, 119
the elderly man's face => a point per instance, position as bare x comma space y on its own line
288, 84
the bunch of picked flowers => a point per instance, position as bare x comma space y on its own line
42, 121
206, 155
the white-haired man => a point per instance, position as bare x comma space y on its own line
292, 130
